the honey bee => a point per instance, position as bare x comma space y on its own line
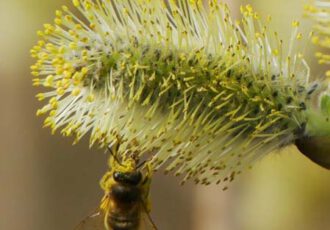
125, 204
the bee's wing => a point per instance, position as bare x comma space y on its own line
146, 222
92, 222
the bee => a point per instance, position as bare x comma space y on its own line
125, 204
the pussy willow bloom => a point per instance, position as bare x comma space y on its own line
181, 82
320, 12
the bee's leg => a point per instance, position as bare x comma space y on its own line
149, 170
105, 208
104, 182
106, 223
146, 202
147, 178
146, 187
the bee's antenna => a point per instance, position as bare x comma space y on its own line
114, 153
141, 164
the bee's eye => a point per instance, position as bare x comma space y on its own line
132, 178
118, 176
135, 178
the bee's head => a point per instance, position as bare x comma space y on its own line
130, 178
125, 168
128, 171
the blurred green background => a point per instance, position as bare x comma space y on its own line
48, 184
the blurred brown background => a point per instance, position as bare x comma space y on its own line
48, 184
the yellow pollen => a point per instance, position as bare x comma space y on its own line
295, 23
58, 13
76, 3
90, 98
40, 96
60, 91
58, 21
76, 92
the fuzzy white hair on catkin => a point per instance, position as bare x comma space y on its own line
181, 82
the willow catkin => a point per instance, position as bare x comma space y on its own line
181, 82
